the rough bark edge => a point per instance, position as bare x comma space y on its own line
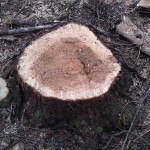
101, 111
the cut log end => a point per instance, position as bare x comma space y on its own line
69, 63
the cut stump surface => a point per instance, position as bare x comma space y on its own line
69, 63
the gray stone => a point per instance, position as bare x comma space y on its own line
4, 92
4, 142
28, 146
126, 2
144, 4
130, 31
18, 146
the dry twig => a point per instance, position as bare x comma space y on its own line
133, 121
27, 29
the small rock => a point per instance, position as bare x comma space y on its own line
144, 73
10, 38
18, 146
130, 31
144, 4
50, 148
3, 93
4, 143
27, 146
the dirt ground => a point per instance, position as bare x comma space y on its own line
102, 17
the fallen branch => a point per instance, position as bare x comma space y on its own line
27, 29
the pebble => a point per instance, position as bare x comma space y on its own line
18, 146
3, 89
4, 143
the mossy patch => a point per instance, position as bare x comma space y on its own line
100, 130
38, 115
5, 102
125, 118
79, 124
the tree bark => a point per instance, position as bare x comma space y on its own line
109, 111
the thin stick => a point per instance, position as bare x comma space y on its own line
27, 29
111, 138
133, 121
140, 136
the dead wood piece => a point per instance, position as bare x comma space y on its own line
144, 4
27, 29
130, 31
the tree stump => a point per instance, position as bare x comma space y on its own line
68, 74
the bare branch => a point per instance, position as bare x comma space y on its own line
133, 121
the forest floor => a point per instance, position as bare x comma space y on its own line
102, 17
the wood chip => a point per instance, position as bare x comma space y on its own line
130, 31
